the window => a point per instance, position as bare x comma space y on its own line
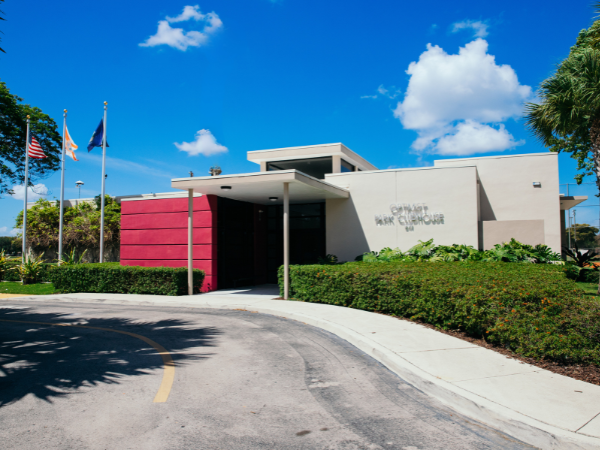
347, 167
314, 167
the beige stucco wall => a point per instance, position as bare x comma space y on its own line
507, 192
351, 226
529, 232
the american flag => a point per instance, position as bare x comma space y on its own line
34, 149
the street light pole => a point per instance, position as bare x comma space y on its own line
575, 225
79, 184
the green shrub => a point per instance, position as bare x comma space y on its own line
572, 271
13, 275
589, 276
3, 264
29, 271
511, 251
533, 309
114, 278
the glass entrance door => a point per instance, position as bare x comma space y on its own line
307, 236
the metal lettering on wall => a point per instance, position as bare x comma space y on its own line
409, 215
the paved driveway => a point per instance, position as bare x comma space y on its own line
153, 378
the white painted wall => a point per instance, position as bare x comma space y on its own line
507, 191
351, 225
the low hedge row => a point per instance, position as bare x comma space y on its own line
589, 276
13, 275
533, 309
114, 278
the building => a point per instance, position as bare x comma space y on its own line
307, 202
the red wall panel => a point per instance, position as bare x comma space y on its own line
167, 236
154, 234
167, 251
165, 205
164, 220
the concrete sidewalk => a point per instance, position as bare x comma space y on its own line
539, 407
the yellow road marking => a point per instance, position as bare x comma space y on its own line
15, 295
169, 365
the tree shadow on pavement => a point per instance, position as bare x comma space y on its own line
54, 361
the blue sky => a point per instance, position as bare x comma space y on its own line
262, 74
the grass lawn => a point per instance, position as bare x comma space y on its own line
589, 288
15, 287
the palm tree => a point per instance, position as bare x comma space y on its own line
567, 118
569, 112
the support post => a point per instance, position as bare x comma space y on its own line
103, 185
286, 240
190, 241
26, 186
62, 192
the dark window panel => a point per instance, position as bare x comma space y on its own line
314, 167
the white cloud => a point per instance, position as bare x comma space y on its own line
451, 98
180, 39
13, 231
471, 137
204, 144
34, 193
479, 28
383, 91
189, 12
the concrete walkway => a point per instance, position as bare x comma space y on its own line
534, 405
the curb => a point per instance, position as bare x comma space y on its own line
510, 422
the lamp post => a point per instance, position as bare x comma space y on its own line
79, 184
575, 225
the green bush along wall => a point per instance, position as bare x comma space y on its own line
113, 278
532, 309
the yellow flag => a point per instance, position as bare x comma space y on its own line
70, 146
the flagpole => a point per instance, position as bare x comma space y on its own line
103, 182
62, 192
26, 182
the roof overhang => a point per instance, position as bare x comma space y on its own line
259, 186
310, 151
567, 202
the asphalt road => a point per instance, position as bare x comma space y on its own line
241, 380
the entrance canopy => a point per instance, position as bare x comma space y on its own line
568, 202
265, 188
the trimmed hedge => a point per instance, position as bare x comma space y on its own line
13, 275
589, 276
533, 309
114, 278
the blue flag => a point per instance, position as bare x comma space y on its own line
96, 140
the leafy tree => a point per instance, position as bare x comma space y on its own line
13, 127
8, 245
81, 226
584, 234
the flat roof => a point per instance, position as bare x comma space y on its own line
258, 187
495, 157
407, 169
310, 151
